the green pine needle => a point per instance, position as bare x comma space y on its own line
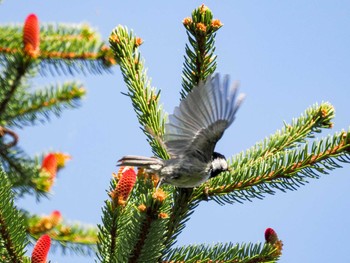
38, 107
12, 230
145, 99
229, 252
21, 170
313, 120
284, 170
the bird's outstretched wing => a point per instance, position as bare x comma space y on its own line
201, 118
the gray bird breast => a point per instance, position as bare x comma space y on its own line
185, 172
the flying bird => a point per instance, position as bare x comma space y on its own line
191, 134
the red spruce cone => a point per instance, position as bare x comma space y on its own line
49, 164
270, 236
31, 36
126, 183
41, 249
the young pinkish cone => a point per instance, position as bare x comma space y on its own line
48, 171
31, 36
125, 185
49, 164
41, 249
55, 218
270, 236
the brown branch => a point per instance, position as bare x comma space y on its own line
69, 55
201, 40
21, 69
10, 50
151, 215
4, 131
104, 54
182, 208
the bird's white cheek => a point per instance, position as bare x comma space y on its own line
216, 164
155, 167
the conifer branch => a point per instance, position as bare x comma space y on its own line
313, 120
67, 233
150, 215
150, 245
12, 232
108, 233
7, 242
222, 253
43, 103
64, 49
284, 170
148, 223
16, 69
145, 99
133, 229
113, 213
200, 60
180, 212
21, 170
76, 238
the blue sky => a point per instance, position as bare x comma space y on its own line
287, 55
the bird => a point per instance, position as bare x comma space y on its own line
191, 134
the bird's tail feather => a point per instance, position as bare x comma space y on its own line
141, 161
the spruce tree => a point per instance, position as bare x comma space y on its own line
140, 223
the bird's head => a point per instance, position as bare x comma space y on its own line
218, 164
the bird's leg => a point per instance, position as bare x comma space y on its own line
161, 179
206, 193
